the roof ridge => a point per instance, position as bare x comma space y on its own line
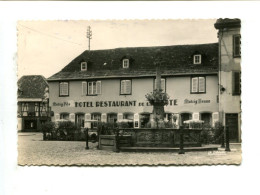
150, 47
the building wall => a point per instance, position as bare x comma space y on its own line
178, 88
229, 103
229, 64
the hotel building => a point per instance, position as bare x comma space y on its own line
110, 85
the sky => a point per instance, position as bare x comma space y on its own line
45, 47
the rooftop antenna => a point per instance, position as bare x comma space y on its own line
89, 36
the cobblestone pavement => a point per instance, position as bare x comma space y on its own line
32, 150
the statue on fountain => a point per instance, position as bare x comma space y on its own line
158, 99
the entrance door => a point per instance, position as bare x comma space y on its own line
232, 122
30, 125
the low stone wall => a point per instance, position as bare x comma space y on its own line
150, 138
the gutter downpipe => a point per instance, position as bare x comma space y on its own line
220, 34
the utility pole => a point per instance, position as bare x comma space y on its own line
89, 36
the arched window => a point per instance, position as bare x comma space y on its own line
144, 120
96, 118
129, 118
84, 66
79, 120
125, 63
207, 118
111, 117
64, 116
185, 117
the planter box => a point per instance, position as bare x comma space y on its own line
108, 142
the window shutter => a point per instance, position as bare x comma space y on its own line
120, 117
87, 120
215, 117
194, 85
87, 117
195, 116
236, 83
84, 88
122, 86
90, 88
72, 117
57, 116
163, 85
201, 84
236, 46
127, 87
104, 117
98, 87
177, 119
136, 120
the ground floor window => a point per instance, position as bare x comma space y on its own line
129, 118
96, 118
207, 118
64, 116
79, 120
144, 120
168, 116
185, 117
112, 118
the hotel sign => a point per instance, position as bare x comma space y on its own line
72, 103
198, 101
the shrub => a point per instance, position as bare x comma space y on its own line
169, 124
212, 135
66, 130
123, 125
196, 125
48, 127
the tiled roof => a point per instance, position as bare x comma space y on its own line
227, 23
32, 86
174, 60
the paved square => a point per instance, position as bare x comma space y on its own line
32, 150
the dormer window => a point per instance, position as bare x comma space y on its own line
83, 66
197, 59
125, 63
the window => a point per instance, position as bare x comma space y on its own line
207, 118
64, 89
83, 66
197, 59
79, 120
185, 117
112, 118
198, 85
129, 119
96, 118
125, 63
64, 116
94, 87
162, 85
126, 87
144, 120
236, 46
236, 83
